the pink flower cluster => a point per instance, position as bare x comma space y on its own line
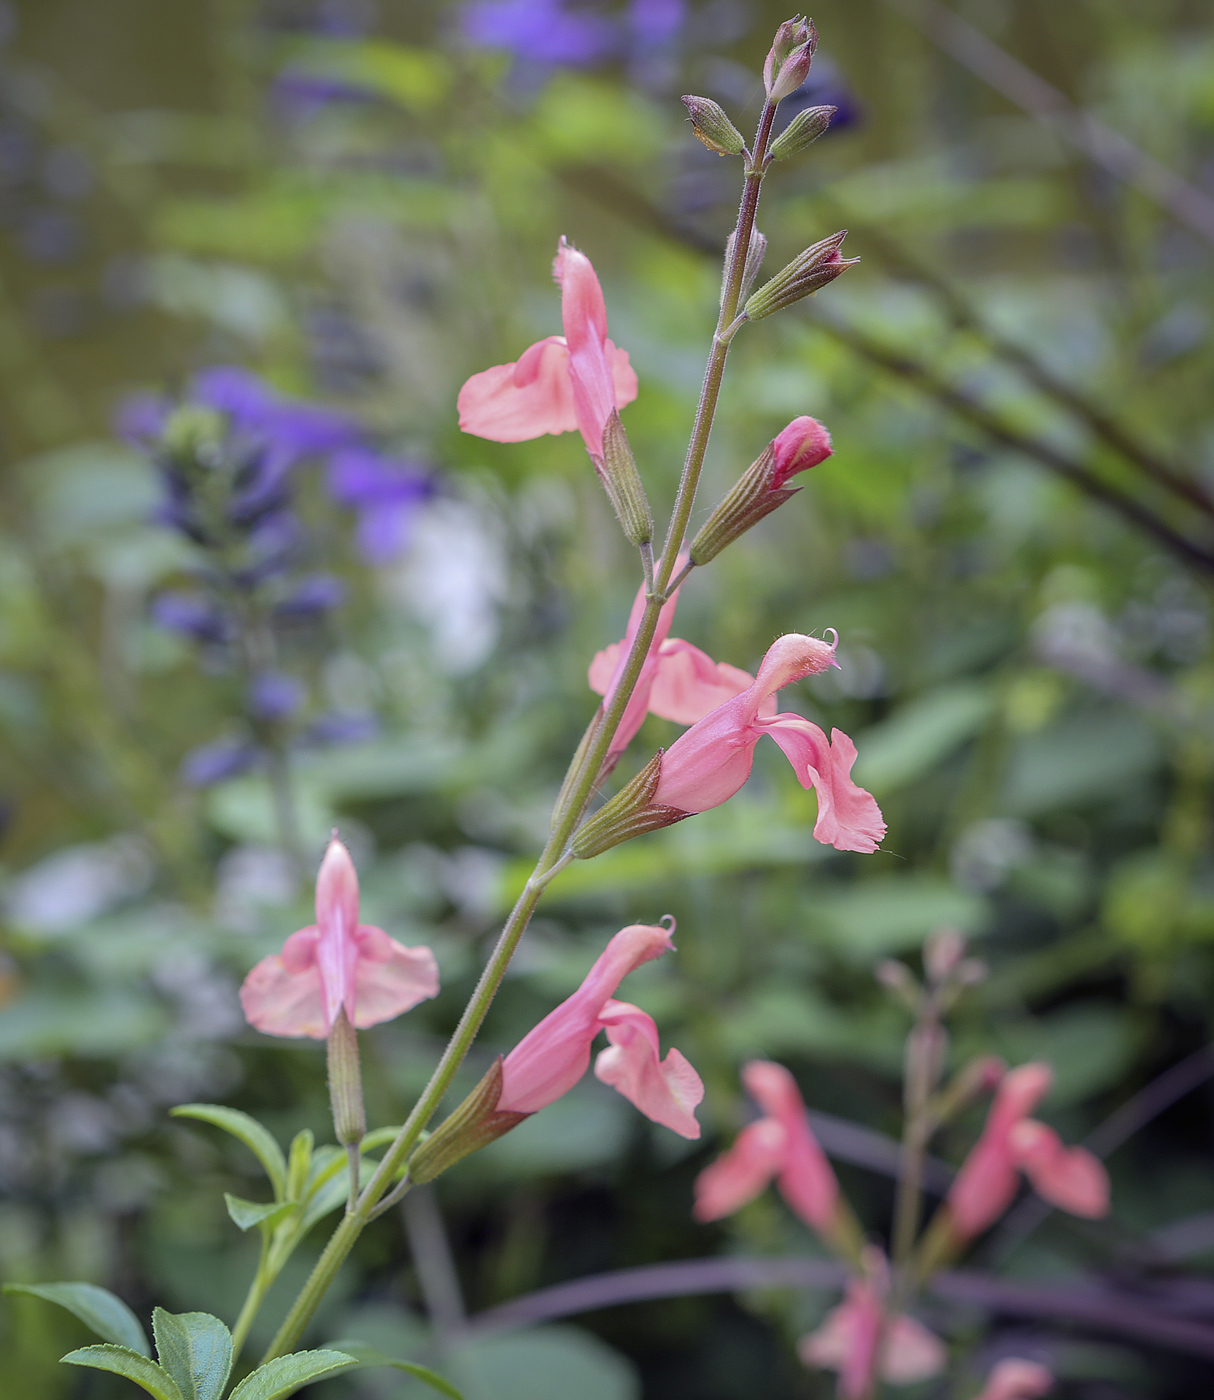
858, 1338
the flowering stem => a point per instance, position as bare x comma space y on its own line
715, 369
575, 793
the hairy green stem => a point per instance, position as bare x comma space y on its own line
262, 1280
714, 371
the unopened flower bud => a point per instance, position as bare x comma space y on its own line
942, 952
754, 260
801, 132
761, 489
897, 978
345, 1083
617, 470
787, 64
474, 1124
631, 812
807, 273
713, 127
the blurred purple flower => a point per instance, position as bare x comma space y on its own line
212, 763
275, 696
544, 31
385, 492
287, 426
314, 595
192, 614
298, 95
140, 419
656, 22
825, 87
346, 727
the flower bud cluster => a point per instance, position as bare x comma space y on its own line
787, 64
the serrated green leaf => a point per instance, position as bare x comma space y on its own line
97, 1308
368, 1357
256, 1138
246, 1214
125, 1362
285, 1374
195, 1348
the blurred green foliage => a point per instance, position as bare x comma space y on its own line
1027, 673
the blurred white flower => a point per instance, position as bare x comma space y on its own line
79, 883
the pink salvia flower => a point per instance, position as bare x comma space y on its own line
336, 962
1016, 1379
678, 682
855, 1334
559, 383
803, 444
550, 1059
1070, 1178
779, 1145
709, 763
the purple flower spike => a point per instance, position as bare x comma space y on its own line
296, 429
274, 696
225, 758
656, 22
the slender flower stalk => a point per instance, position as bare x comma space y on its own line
589, 407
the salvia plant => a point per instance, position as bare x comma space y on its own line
226, 456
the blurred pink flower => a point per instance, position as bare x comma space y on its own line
559, 383
1015, 1379
550, 1059
854, 1334
707, 764
781, 1144
1070, 1178
336, 962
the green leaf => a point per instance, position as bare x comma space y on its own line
285, 1374
256, 1138
196, 1350
379, 1137
97, 1308
299, 1163
125, 1362
246, 1214
369, 1357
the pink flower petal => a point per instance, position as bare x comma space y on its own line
688, 684
601, 376
522, 400
1068, 1177
552, 1057
337, 925
390, 978
848, 816
1017, 1379
666, 1091
807, 1182
912, 1353
278, 1002
738, 1176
